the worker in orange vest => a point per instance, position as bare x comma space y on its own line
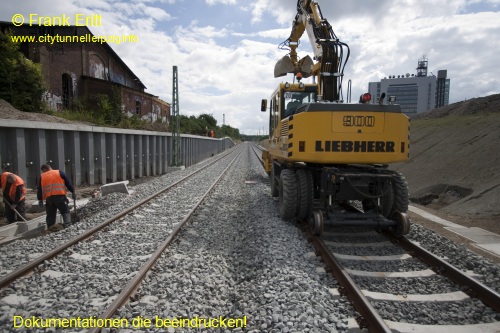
52, 188
14, 196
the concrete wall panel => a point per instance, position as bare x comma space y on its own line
95, 155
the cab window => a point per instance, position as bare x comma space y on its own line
294, 99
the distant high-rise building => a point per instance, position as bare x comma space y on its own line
442, 89
415, 93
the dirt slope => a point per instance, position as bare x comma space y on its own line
454, 164
7, 111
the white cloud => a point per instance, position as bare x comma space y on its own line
258, 8
224, 2
280, 34
193, 31
227, 72
156, 13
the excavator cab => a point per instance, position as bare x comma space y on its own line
292, 101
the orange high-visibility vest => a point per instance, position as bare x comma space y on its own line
52, 184
13, 188
3, 180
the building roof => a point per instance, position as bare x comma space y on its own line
71, 29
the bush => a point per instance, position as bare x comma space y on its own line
21, 80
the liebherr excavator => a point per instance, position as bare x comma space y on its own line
328, 160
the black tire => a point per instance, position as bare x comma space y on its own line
274, 183
401, 197
304, 193
387, 201
368, 204
288, 194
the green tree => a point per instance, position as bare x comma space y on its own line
21, 80
203, 123
110, 107
209, 120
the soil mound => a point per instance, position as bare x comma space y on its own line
7, 111
454, 158
473, 106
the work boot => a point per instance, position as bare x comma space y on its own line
66, 220
55, 227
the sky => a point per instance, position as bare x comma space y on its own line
225, 50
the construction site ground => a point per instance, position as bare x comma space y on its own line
453, 171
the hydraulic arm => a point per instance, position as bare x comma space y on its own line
328, 52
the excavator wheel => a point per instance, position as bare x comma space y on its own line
316, 223
304, 193
401, 197
288, 194
403, 226
387, 201
274, 183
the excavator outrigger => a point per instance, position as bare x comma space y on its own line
328, 160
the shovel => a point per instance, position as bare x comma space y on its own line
15, 210
74, 214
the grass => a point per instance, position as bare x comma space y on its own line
459, 120
99, 120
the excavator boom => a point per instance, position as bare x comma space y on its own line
328, 52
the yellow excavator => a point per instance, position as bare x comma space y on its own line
328, 160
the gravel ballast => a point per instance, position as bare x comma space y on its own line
236, 259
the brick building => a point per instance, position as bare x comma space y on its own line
84, 70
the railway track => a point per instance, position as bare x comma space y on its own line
237, 260
81, 276
396, 285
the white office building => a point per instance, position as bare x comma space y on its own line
415, 93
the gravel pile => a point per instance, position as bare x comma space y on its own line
412, 286
235, 259
437, 313
406, 265
96, 211
458, 256
89, 275
389, 250
422, 313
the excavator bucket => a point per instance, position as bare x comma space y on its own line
285, 65
305, 66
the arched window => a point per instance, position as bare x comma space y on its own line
97, 68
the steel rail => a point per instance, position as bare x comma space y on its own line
373, 320
134, 283
489, 296
28, 267
258, 156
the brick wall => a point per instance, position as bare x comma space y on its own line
68, 69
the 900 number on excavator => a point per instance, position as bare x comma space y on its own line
359, 121
328, 160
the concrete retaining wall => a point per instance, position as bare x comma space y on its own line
95, 155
